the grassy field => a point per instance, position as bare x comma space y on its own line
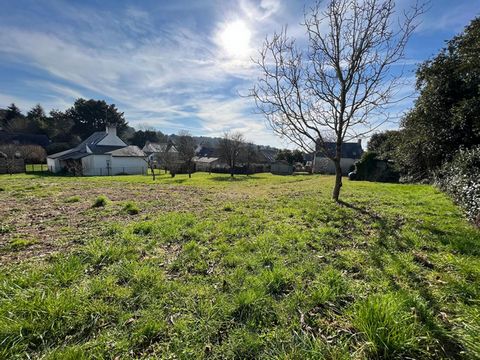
259, 267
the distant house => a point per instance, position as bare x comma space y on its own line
163, 155
267, 156
282, 167
23, 139
151, 148
102, 153
351, 152
207, 158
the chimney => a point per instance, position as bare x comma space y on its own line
111, 129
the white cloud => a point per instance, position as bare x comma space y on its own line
162, 78
165, 75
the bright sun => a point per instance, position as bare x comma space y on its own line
235, 38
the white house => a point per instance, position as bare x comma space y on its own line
102, 153
207, 158
351, 152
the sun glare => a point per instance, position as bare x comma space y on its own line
235, 39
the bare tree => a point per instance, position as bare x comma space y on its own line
169, 158
150, 164
10, 159
249, 156
186, 150
33, 154
341, 82
230, 147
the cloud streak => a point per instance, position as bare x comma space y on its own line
163, 66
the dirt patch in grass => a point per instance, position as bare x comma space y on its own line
57, 225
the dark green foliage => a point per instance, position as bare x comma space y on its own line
446, 115
64, 128
372, 168
93, 115
290, 156
141, 137
12, 112
384, 144
460, 178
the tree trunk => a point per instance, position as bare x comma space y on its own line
338, 180
232, 169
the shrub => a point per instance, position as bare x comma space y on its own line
100, 201
131, 208
460, 178
371, 168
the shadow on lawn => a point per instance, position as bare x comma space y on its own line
236, 178
389, 243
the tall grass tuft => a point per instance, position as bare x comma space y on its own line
387, 326
131, 208
100, 201
72, 199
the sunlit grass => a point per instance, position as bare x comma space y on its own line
257, 267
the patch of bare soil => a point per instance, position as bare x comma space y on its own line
34, 226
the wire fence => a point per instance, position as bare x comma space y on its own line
35, 168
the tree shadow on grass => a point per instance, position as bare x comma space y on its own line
236, 178
389, 243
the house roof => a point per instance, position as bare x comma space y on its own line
151, 147
206, 160
207, 152
87, 147
128, 151
349, 150
267, 155
23, 139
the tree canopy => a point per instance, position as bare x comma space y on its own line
93, 115
446, 115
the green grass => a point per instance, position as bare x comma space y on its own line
256, 267
100, 201
72, 199
131, 208
20, 243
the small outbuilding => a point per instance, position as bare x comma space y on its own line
281, 167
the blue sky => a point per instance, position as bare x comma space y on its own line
170, 65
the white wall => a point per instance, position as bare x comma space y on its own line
128, 165
95, 165
326, 166
53, 165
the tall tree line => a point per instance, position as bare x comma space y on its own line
68, 128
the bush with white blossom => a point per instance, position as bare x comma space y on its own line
460, 178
